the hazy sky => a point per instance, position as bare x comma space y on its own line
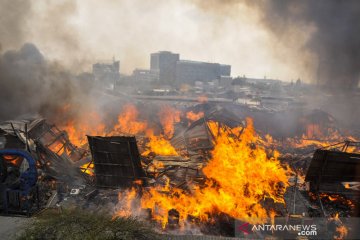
77, 33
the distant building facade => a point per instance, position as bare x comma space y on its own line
107, 74
145, 75
164, 64
189, 72
171, 69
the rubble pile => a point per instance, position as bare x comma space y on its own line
181, 171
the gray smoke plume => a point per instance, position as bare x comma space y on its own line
335, 40
333, 27
32, 85
13, 15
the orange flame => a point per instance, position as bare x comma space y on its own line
239, 177
341, 231
128, 123
79, 128
159, 145
88, 168
168, 117
12, 159
313, 131
194, 116
126, 199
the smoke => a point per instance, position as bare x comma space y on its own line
48, 24
335, 40
13, 15
80, 32
324, 35
317, 41
30, 84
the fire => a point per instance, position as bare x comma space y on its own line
12, 159
159, 145
126, 198
155, 166
333, 198
341, 231
239, 177
92, 124
318, 136
168, 117
57, 147
194, 116
79, 128
313, 131
88, 168
128, 122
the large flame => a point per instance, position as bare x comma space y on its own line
128, 122
168, 117
159, 146
88, 125
92, 124
239, 176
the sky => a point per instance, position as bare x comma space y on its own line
78, 33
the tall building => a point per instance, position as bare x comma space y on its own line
189, 72
164, 63
107, 74
172, 70
225, 70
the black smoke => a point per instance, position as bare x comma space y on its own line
335, 40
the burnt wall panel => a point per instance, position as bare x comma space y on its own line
333, 166
116, 159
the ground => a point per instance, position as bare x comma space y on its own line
10, 226
13, 228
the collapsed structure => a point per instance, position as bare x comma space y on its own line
211, 155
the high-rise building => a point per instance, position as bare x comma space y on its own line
164, 63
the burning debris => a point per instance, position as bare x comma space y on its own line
47, 149
189, 167
188, 146
238, 196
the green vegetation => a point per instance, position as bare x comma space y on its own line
76, 224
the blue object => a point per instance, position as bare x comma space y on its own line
28, 178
